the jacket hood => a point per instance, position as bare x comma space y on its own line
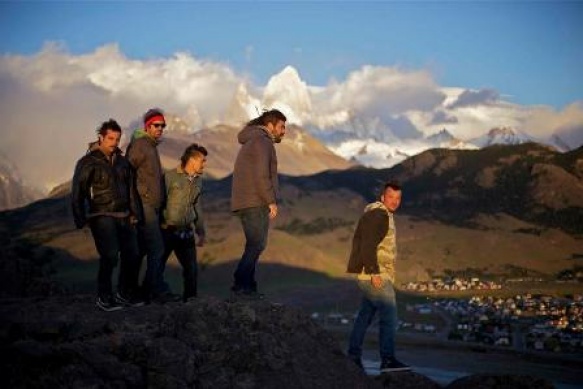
375, 205
141, 133
250, 132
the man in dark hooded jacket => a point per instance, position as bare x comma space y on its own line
254, 193
104, 196
142, 153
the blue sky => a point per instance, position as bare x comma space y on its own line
530, 52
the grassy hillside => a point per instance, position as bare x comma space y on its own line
464, 212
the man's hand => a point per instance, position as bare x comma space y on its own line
201, 240
376, 281
272, 211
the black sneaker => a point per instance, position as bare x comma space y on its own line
357, 361
128, 301
391, 364
107, 304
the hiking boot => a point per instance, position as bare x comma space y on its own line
249, 295
128, 300
107, 304
390, 365
166, 297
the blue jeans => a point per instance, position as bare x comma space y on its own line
375, 300
185, 250
255, 222
116, 238
152, 246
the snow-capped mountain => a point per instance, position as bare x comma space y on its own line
374, 153
338, 116
502, 136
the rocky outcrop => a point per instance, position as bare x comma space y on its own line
65, 342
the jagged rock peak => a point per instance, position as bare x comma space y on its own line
288, 92
501, 131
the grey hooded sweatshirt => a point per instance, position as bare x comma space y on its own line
143, 156
255, 173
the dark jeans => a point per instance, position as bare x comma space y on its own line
375, 300
152, 246
255, 222
116, 237
185, 250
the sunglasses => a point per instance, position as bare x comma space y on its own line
159, 125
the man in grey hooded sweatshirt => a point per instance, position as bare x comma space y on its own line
254, 193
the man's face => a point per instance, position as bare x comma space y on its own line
195, 165
156, 128
109, 142
391, 199
277, 130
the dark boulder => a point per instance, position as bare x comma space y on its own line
65, 342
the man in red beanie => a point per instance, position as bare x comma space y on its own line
143, 155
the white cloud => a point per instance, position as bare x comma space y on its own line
568, 123
51, 102
375, 91
470, 98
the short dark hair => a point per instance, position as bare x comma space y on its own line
272, 116
108, 125
192, 151
393, 184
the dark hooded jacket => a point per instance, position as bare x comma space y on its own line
255, 174
374, 245
103, 187
142, 153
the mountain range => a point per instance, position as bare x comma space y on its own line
13, 191
374, 135
498, 212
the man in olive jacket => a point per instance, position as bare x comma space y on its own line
372, 259
183, 216
254, 193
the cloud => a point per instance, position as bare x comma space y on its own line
441, 117
52, 101
382, 91
470, 98
543, 122
373, 100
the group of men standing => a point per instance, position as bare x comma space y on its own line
135, 209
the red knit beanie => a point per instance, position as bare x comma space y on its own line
153, 115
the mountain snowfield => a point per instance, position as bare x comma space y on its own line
375, 137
